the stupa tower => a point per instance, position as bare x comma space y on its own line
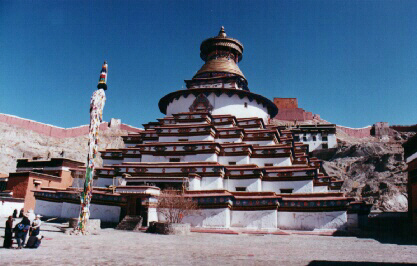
222, 55
219, 87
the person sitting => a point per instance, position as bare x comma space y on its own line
34, 241
8, 233
21, 231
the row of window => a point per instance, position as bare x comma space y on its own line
314, 137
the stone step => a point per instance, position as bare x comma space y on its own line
130, 223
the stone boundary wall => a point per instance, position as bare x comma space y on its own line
356, 132
53, 131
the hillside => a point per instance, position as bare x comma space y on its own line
17, 142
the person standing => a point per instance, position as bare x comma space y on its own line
8, 233
15, 213
36, 225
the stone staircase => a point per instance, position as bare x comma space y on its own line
130, 223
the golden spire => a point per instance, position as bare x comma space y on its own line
222, 33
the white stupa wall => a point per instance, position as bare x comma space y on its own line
113, 161
204, 157
190, 138
238, 159
195, 184
320, 189
251, 185
209, 183
312, 220
261, 142
222, 105
228, 140
265, 219
286, 161
211, 218
303, 186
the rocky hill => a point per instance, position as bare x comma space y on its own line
17, 142
373, 169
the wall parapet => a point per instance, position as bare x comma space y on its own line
356, 132
54, 131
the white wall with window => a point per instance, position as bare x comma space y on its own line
302, 186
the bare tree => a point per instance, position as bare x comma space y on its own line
174, 206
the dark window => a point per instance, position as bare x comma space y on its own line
3, 185
314, 138
325, 146
296, 138
305, 138
286, 190
269, 164
174, 160
324, 138
232, 163
240, 188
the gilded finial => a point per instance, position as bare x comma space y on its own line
222, 33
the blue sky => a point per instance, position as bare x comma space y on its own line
352, 62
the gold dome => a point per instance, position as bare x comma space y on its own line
221, 65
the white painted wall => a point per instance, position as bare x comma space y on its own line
204, 157
317, 144
190, 138
212, 218
7, 208
265, 219
195, 184
302, 186
70, 210
152, 215
252, 185
312, 220
48, 208
238, 159
132, 160
105, 213
112, 161
222, 105
229, 140
261, 142
103, 182
320, 189
286, 161
209, 182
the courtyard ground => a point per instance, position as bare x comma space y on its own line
113, 247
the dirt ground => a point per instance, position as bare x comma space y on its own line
113, 247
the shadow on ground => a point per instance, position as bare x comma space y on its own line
354, 263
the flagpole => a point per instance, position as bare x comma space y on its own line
97, 102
